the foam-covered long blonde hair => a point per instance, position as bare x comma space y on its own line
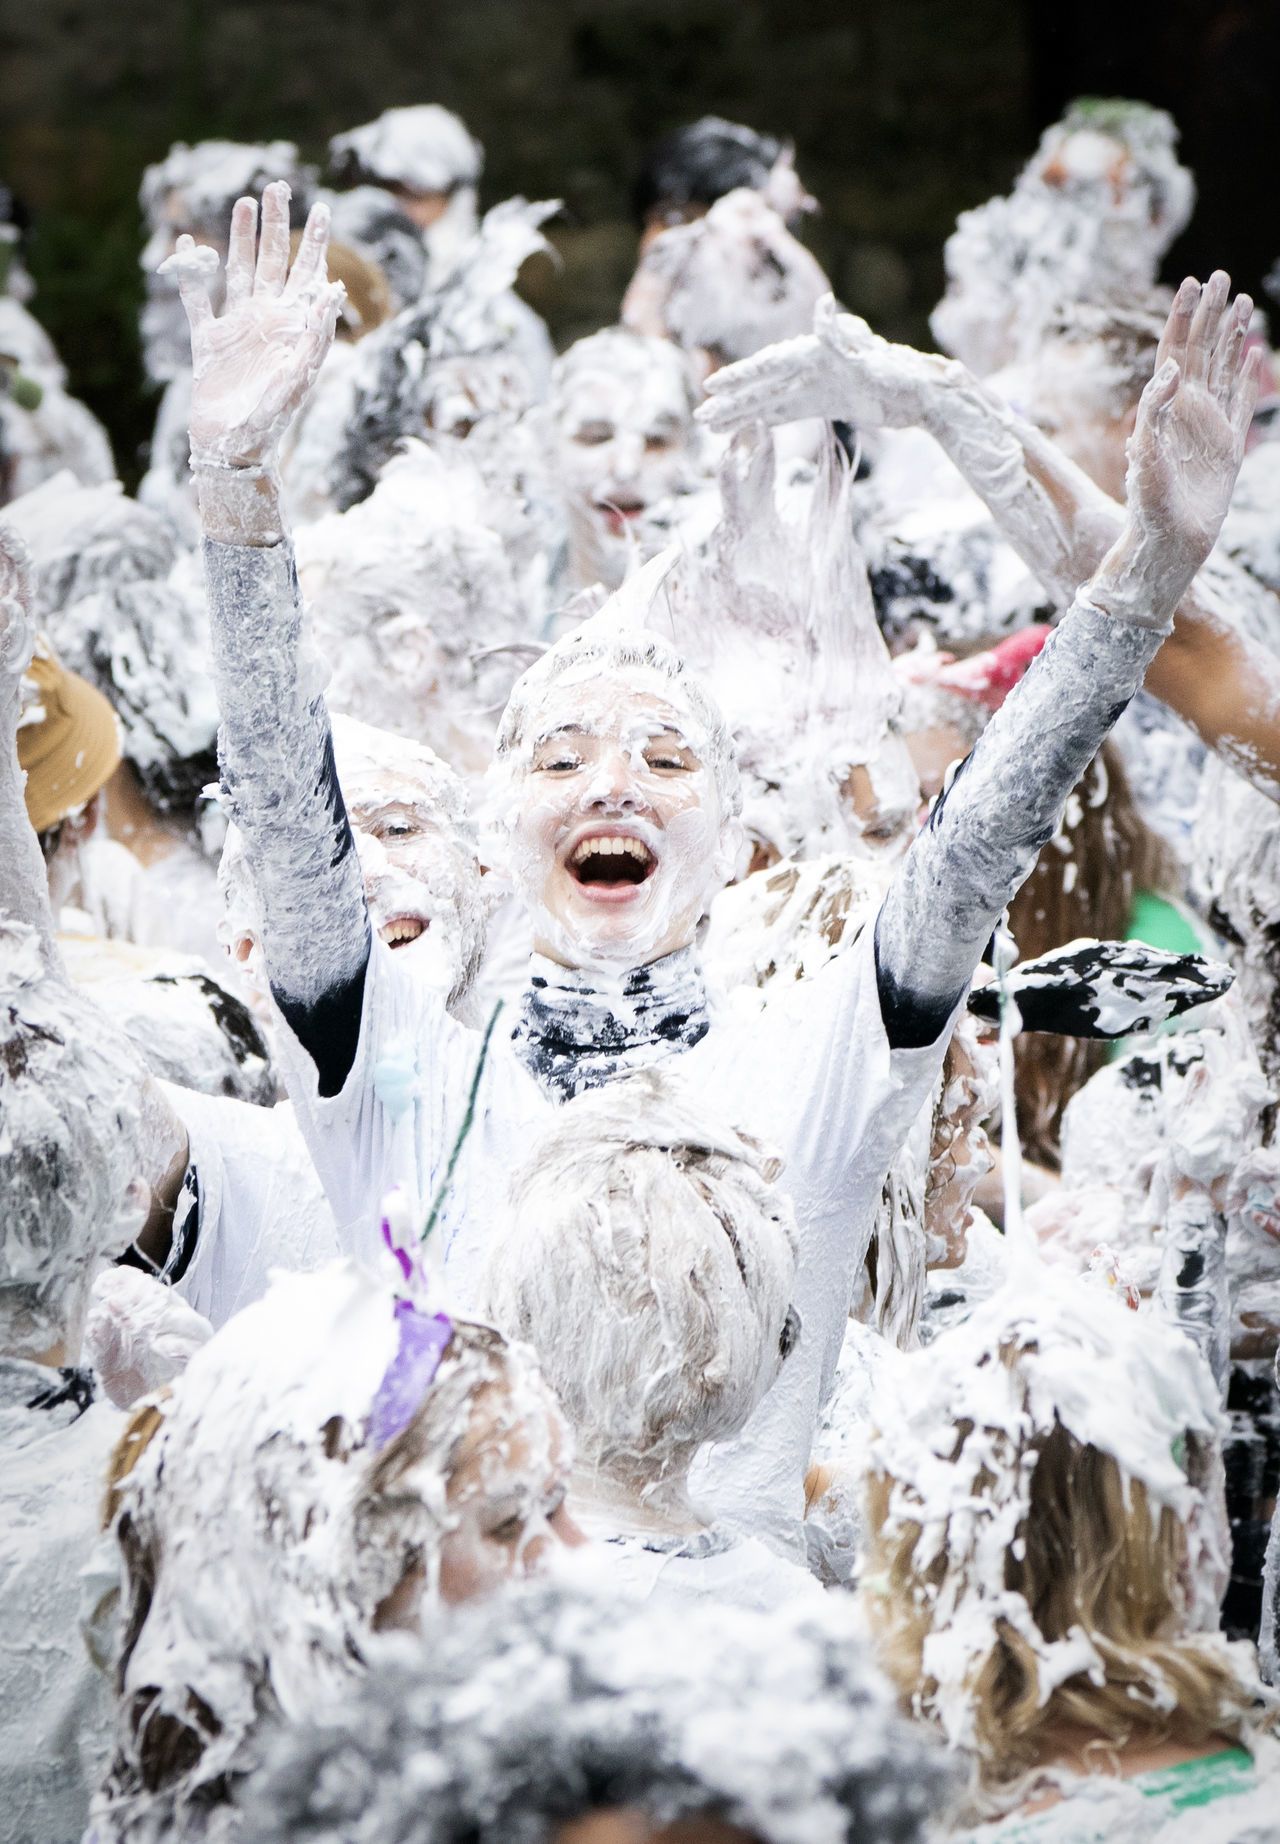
1097, 1563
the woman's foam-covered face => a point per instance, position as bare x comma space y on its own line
507, 1494
623, 443
618, 838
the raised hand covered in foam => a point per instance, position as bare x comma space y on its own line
1184, 454
840, 370
253, 364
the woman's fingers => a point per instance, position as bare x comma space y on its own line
1203, 334
1244, 396
273, 245
194, 265
309, 264
241, 247
1173, 341
1225, 361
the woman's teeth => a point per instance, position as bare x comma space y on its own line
402, 930
605, 847
611, 860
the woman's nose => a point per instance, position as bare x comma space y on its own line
613, 786
627, 451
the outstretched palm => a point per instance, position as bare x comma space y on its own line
253, 365
840, 370
1189, 438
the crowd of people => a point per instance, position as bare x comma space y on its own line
640, 1025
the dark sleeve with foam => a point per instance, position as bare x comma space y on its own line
1003, 806
278, 778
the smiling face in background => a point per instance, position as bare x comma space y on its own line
624, 439
618, 834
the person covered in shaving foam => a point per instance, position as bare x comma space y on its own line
625, 443
76, 1134
660, 1236
617, 797
242, 1197
608, 1724
335, 1463
1048, 1546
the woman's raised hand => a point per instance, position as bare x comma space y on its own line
253, 364
1188, 441
842, 370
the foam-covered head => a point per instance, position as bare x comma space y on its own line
369, 219
424, 148
686, 172
984, 1614
411, 596
649, 1259
615, 793
192, 190
774, 611
417, 847
728, 283
105, 595
274, 1524
558, 1704
1089, 219
70, 1149
625, 441
1082, 383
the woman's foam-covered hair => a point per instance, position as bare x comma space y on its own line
70, 1145
424, 147
264, 1526
649, 1261
544, 1706
614, 643
954, 1461
210, 176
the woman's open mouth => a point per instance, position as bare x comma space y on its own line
618, 513
401, 930
611, 866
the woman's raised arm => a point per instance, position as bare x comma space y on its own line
253, 365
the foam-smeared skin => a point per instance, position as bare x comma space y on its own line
276, 755
1005, 803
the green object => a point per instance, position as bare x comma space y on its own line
1199, 1783
1181, 1788
25, 392
464, 1129
1162, 924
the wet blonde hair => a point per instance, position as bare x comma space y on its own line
1099, 1561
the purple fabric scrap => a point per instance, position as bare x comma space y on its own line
411, 1372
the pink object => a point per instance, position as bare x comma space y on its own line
989, 677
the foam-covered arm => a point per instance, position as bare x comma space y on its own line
252, 367
1007, 798
1002, 807
24, 884
276, 757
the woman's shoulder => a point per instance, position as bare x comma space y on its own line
1165, 1805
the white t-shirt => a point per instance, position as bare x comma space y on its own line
812, 1075
736, 1572
261, 1204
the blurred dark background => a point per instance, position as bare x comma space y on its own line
903, 112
